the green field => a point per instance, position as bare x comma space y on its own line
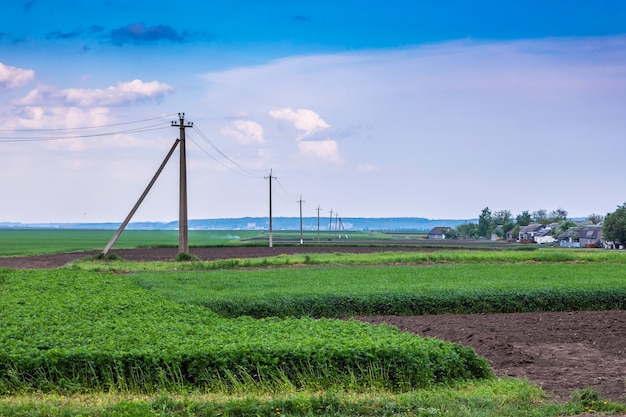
396, 290
96, 338
35, 242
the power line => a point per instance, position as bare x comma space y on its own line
218, 161
167, 116
290, 195
247, 170
14, 139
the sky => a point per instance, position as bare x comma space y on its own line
432, 109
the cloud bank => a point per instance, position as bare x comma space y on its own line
13, 77
458, 121
124, 93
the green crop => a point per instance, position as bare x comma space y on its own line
77, 331
397, 290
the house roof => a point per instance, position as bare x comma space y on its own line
590, 232
532, 228
543, 232
439, 230
570, 232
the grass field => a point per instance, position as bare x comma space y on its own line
35, 242
82, 340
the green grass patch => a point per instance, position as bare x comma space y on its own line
76, 331
36, 242
379, 258
491, 398
396, 290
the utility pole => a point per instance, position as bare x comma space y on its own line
183, 223
183, 229
270, 178
330, 223
318, 224
301, 240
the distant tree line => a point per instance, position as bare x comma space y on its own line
502, 223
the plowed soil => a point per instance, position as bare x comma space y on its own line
559, 351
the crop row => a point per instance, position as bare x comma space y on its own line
77, 331
396, 290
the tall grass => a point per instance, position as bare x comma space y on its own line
379, 258
490, 398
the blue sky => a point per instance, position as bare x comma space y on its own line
372, 109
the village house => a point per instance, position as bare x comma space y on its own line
591, 236
440, 232
569, 238
529, 232
544, 236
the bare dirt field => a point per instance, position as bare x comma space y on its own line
560, 351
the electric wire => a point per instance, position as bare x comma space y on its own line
217, 160
14, 139
249, 171
168, 116
291, 195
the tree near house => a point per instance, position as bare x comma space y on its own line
614, 227
467, 230
540, 216
524, 218
557, 215
595, 218
562, 227
502, 218
485, 222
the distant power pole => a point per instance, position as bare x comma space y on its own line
183, 223
301, 239
318, 223
270, 178
330, 223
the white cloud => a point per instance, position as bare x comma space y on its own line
327, 150
244, 131
58, 117
303, 119
12, 77
122, 94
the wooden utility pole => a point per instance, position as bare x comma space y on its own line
301, 239
270, 178
318, 223
183, 222
183, 227
330, 223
